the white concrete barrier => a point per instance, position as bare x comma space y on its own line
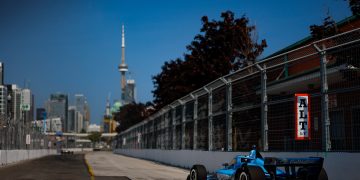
338, 165
13, 156
78, 149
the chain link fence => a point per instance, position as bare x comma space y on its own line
13, 135
256, 105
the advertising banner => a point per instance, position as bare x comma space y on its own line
302, 117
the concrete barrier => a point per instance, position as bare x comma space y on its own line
78, 149
338, 165
13, 156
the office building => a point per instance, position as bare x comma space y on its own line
26, 103
130, 95
14, 102
1, 73
57, 106
3, 100
71, 119
79, 122
40, 113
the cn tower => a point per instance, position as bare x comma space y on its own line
123, 68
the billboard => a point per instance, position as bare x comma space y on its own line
302, 117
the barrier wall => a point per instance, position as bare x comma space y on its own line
78, 149
337, 165
14, 156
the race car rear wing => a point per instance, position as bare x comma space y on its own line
295, 167
311, 161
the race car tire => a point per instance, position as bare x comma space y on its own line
256, 173
250, 173
198, 172
323, 175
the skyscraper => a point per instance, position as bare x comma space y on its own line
86, 122
83, 109
26, 104
80, 103
14, 102
40, 113
130, 91
79, 121
1, 73
3, 100
57, 106
71, 119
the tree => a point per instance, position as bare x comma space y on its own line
131, 114
94, 137
83, 130
355, 6
221, 47
328, 28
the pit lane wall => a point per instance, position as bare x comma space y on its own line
13, 156
337, 165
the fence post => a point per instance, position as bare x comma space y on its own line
210, 121
264, 108
326, 142
229, 140
173, 111
196, 102
183, 119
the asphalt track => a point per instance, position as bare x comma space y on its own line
107, 164
55, 167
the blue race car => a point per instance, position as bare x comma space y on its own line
255, 167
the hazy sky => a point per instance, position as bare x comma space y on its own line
74, 46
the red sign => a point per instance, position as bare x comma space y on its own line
302, 117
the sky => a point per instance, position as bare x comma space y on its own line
74, 46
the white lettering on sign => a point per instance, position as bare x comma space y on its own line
302, 117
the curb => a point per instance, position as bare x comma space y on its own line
90, 170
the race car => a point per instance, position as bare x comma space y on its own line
255, 167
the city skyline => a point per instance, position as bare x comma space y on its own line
75, 47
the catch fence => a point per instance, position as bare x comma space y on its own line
13, 134
256, 105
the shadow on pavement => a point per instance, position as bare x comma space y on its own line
54, 167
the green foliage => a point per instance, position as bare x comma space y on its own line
94, 137
221, 47
355, 6
131, 114
328, 28
83, 130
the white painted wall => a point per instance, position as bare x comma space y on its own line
337, 165
13, 156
